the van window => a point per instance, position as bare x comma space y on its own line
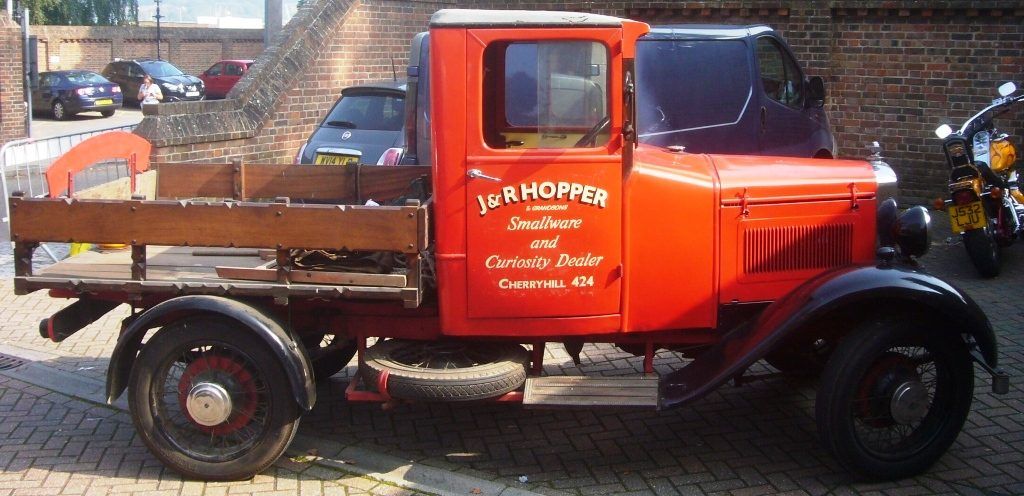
779, 74
545, 94
687, 85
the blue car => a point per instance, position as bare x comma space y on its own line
66, 93
364, 126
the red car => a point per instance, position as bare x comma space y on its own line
222, 76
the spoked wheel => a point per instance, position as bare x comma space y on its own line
447, 370
893, 398
211, 401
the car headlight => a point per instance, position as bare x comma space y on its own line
167, 85
910, 230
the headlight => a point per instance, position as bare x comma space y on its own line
912, 232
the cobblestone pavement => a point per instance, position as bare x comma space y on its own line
758, 438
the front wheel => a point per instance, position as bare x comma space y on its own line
59, 111
983, 250
211, 401
893, 398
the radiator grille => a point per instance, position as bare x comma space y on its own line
791, 248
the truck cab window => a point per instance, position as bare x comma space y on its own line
546, 94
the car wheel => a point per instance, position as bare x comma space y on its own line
58, 110
211, 401
894, 397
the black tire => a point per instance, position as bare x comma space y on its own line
446, 370
59, 111
106, 113
983, 251
212, 350
329, 355
859, 418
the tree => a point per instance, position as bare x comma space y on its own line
83, 12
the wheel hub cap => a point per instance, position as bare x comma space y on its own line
208, 404
909, 402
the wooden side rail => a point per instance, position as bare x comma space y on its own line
221, 224
242, 181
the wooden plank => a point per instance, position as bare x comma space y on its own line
242, 225
586, 391
334, 183
314, 277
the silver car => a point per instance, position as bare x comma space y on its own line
364, 126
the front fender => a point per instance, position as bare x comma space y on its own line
831, 293
291, 354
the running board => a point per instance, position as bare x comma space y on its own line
576, 391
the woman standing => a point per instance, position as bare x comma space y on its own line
149, 92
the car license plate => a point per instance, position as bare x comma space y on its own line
967, 217
191, 93
332, 159
105, 101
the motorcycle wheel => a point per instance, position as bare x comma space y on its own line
983, 251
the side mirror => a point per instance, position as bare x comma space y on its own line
816, 92
943, 131
1007, 89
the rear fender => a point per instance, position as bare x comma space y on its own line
827, 296
290, 353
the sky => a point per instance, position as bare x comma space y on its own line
191, 10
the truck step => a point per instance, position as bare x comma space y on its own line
576, 391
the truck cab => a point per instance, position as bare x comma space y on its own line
561, 219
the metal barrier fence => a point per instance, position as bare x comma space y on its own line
23, 164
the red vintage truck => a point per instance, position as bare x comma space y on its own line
541, 220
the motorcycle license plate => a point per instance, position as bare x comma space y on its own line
967, 217
332, 159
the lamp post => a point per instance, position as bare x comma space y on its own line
158, 17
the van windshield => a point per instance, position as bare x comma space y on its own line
707, 84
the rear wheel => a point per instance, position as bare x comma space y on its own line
446, 370
211, 401
893, 398
983, 250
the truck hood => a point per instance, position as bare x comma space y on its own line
790, 180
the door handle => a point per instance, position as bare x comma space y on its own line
764, 119
479, 174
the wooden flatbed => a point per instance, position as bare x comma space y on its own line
190, 246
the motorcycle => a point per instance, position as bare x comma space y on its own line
985, 205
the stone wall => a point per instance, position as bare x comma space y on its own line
193, 50
12, 96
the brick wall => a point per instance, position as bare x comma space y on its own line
191, 49
894, 70
12, 108
327, 46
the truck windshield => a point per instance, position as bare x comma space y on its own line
688, 85
551, 93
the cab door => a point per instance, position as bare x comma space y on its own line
543, 174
